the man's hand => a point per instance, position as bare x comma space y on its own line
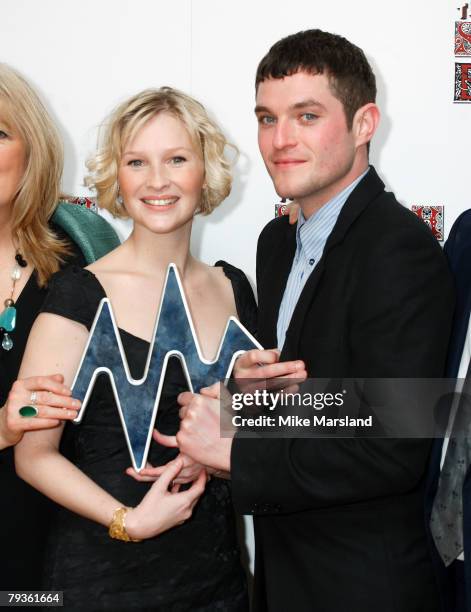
257, 364
200, 429
293, 212
199, 436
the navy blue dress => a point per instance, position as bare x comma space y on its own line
195, 566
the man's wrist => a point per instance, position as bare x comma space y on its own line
224, 463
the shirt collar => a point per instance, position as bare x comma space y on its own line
309, 232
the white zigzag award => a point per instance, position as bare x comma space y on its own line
174, 335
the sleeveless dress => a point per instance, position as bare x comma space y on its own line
193, 567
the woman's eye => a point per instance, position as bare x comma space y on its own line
3, 134
135, 163
177, 160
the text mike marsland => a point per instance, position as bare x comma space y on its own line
263, 421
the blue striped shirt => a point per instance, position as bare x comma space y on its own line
311, 236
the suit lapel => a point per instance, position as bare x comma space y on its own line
276, 278
366, 190
462, 312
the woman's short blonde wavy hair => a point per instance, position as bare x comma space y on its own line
38, 192
130, 116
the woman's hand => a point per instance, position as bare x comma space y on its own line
52, 401
189, 472
161, 508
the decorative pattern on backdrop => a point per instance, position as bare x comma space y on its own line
81, 201
433, 216
462, 82
462, 38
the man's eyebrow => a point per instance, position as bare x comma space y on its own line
306, 103
261, 109
299, 105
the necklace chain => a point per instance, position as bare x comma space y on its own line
8, 315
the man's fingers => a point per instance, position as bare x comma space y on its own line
271, 384
273, 376
169, 441
182, 412
212, 391
280, 369
257, 356
293, 211
185, 398
281, 381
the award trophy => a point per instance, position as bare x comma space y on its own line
174, 335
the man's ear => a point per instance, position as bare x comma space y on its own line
365, 122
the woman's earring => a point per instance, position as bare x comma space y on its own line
119, 198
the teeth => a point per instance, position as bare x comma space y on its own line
160, 202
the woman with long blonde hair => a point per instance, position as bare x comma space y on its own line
36, 239
31, 250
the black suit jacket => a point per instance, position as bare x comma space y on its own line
458, 252
339, 522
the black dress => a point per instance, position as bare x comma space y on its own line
192, 567
24, 512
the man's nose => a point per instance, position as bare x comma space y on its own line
284, 134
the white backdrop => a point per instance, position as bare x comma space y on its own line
85, 56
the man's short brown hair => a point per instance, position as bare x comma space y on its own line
313, 51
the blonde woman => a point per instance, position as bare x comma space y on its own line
160, 162
32, 248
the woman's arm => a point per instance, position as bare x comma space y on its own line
37, 456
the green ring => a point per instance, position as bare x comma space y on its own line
28, 411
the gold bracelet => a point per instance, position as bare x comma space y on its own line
117, 528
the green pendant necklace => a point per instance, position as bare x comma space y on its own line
8, 315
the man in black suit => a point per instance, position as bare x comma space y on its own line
359, 288
455, 575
